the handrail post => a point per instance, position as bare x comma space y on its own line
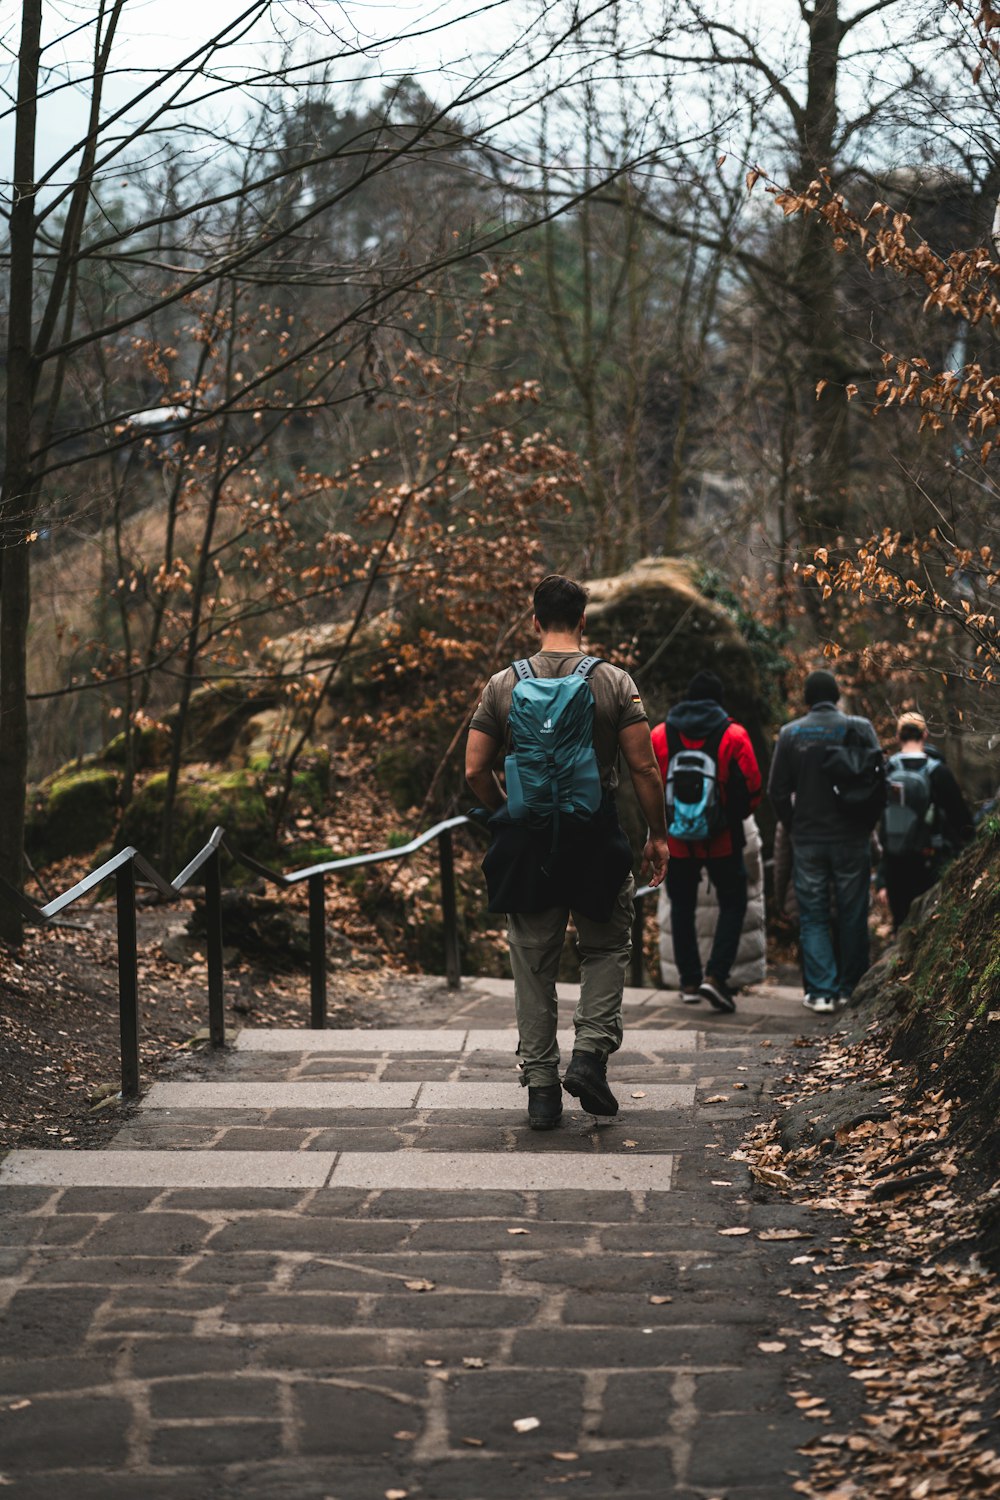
452, 962
317, 952
213, 930
128, 979
635, 961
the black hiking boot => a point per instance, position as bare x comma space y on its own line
587, 1079
545, 1106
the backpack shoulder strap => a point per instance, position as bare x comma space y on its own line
586, 665
673, 738
523, 669
714, 741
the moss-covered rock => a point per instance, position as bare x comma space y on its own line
938, 1003
72, 813
151, 748
216, 715
233, 799
656, 614
313, 647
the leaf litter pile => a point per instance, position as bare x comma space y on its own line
901, 1298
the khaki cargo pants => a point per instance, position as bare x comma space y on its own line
536, 941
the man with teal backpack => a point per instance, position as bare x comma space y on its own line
558, 720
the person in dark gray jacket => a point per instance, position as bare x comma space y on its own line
832, 853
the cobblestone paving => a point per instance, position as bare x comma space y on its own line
325, 1343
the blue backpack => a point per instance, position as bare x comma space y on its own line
552, 769
695, 811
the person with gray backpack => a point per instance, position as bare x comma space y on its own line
925, 823
557, 722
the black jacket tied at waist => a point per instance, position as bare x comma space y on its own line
585, 872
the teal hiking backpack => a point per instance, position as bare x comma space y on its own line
552, 768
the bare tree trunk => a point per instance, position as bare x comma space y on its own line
16, 504
828, 499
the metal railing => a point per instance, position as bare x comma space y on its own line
129, 863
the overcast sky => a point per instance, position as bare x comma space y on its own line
438, 37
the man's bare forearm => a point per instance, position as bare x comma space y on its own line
648, 787
485, 789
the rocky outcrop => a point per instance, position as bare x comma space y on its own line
655, 618
655, 621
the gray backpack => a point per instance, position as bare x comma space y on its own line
909, 817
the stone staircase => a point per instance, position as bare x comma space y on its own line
339, 1264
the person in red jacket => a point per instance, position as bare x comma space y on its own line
700, 722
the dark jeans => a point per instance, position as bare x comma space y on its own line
830, 874
730, 880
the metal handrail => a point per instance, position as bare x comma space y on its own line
127, 863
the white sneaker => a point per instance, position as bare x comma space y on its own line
821, 1004
690, 997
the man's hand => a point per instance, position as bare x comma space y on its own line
654, 860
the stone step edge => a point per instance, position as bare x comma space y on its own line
371, 1170
451, 1041
468, 1096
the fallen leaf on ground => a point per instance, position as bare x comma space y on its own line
774, 1346
630, 1143
659, 1301
420, 1286
473, 1442
739, 1229
526, 1424
519, 1231
784, 1234
402, 1436
566, 1458
433, 1363
771, 1176
716, 1099
472, 1362
639, 1094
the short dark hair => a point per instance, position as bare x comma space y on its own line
910, 731
559, 601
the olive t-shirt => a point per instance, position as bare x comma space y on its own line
617, 704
